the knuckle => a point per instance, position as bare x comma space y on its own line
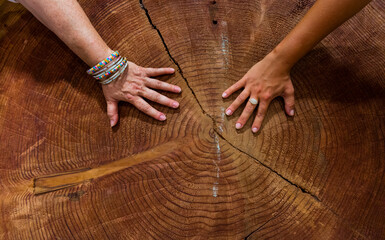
146, 108
267, 96
110, 114
240, 83
135, 92
257, 90
152, 71
290, 91
137, 71
134, 101
137, 89
290, 104
158, 84
242, 97
260, 114
156, 97
144, 80
130, 98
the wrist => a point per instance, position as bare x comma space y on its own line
109, 68
292, 48
99, 55
280, 59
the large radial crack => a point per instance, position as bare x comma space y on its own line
172, 58
218, 131
304, 190
215, 127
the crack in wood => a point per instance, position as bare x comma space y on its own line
259, 228
215, 127
171, 57
218, 131
304, 190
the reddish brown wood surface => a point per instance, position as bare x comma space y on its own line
65, 174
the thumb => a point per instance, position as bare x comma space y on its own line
288, 97
112, 112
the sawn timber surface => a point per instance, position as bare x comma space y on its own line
65, 174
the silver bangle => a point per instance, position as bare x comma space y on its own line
104, 70
114, 76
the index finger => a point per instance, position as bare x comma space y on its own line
152, 72
235, 87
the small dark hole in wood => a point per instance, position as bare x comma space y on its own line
215, 21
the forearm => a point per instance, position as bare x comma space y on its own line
321, 19
69, 22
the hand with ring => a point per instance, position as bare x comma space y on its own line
265, 81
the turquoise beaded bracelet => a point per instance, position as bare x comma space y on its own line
121, 64
103, 63
111, 65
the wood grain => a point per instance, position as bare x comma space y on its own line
336, 140
317, 176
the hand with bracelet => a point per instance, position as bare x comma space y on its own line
131, 84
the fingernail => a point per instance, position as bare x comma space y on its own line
238, 126
112, 123
292, 112
228, 112
175, 105
254, 130
177, 89
162, 117
224, 95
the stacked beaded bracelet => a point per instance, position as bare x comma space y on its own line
103, 63
99, 75
109, 69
